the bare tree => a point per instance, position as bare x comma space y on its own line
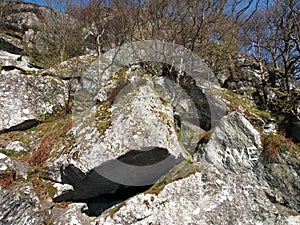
61, 36
284, 16
274, 36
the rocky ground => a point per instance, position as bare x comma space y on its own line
141, 147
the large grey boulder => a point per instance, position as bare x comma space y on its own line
27, 99
211, 196
16, 209
130, 141
235, 145
126, 124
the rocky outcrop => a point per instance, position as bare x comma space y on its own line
29, 100
131, 142
16, 209
11, 44
31, 30
211, 196
128, 156
235, 146
248, 75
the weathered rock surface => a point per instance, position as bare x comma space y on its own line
21, 63
21, 169
72, 68
131, 142
282, 175
6, 164
27, 99
130, 131
28, 29
16, 146
248, 75
72, 215
16, 209
22, 20
11, 44
235, 145
211, 196
26, 190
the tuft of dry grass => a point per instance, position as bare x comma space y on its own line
53, 133
7, 179
274, 144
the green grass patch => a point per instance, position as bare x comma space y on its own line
7, 153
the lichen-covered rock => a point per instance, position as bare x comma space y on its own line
27, 190
22, 63
21, 169
130, 142
6, 164
22, 21
283, 177
72, 68
190, 134
211, 196
26, 99
72, 215
16, 209
293, 220
235, 145
16, 146
11, 44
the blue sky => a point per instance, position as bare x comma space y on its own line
50, 3
39, 2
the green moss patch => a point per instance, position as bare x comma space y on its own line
183, 170
103, 114
239, 103
116, 209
